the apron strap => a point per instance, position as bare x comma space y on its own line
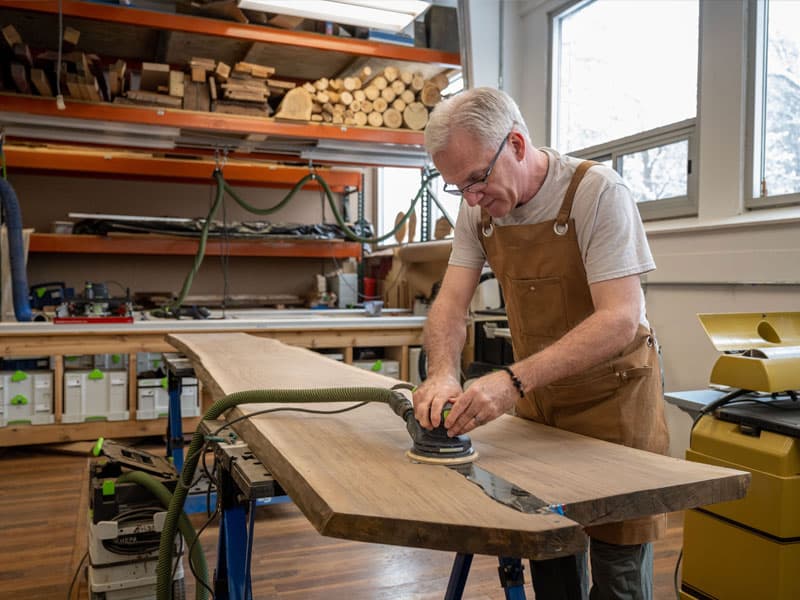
566, 206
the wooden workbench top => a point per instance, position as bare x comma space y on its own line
349, 475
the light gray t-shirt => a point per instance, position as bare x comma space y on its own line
610, 233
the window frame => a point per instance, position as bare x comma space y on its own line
686, 130
757, 33
664, 208
436, 212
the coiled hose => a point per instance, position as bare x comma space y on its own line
223, 187
162, 494
397, 401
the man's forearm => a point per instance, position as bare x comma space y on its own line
601, 336
445, 334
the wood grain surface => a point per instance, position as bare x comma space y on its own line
349, 475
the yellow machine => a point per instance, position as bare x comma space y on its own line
750, 549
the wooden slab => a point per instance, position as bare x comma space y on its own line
349, 475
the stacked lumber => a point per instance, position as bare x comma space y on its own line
392, 98
208, 85
81, 75
242, 89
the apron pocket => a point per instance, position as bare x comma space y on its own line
538, 305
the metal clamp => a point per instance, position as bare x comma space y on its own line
219, 163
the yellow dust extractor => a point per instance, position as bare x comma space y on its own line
750, 548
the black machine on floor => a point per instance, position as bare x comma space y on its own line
125, 522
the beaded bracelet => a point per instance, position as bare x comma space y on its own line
516, 381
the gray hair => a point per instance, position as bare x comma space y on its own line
486, 113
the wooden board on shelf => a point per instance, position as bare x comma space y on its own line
15, 435
205, 121
166, 245
104, 27
349, 475
139, 165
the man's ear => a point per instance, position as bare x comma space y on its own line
518, 145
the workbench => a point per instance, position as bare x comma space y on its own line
349, 474
341, 330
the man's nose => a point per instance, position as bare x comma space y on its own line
472, 198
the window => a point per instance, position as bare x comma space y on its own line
624, 89
775, 122
397, 187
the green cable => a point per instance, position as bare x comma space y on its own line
261, 211
222, 187
193, 454
352, 235
197, 556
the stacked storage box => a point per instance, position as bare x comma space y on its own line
26, 396
390, 368
95, 388
153, 390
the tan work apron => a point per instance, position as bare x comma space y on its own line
540, 269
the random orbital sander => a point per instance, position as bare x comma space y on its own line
432, 446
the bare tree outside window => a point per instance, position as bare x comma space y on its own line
658, 172
625, 86
782, 119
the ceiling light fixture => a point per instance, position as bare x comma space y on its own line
390, 15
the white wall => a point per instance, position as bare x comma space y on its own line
724, 260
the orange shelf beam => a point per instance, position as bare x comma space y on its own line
153, 245
128, 165
100, 111
253, 33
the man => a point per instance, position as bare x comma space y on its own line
566, 243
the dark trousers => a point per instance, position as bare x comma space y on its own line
618, 573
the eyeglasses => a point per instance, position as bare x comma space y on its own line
479, 184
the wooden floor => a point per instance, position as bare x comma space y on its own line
43, 504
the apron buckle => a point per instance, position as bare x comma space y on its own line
560, 228
488, 229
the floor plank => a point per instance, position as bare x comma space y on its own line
42, 500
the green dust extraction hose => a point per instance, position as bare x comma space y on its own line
398, 403
163, 495
223, 187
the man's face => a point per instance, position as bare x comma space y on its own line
465, 163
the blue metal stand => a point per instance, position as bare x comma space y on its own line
232, 577
511, 572
458, 577
174, 420
512, 577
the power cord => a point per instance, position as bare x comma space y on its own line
289, 408
75, 575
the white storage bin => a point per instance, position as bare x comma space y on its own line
390, 368
82, 361
149, 361
26, 397
107, 362
111, 362
95, 395
153, 398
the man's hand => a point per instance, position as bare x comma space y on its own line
430, 398
485, 400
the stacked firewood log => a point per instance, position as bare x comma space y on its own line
393, 98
